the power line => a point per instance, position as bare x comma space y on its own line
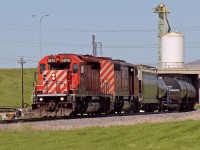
10, 26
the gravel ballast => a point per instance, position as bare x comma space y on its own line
108, 121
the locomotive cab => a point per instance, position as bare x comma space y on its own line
55, 82
56, 73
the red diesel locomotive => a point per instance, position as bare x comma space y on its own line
71, 84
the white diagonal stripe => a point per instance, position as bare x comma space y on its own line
63, 84
58, 73
105, 67
111, 75
62, 77
53, 87
49, 75
107, 72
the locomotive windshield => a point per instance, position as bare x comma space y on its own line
42, 68
59, 66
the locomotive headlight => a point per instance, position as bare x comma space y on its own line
41, 99
131, 70
53, 77
62, 98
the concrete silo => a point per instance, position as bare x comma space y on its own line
172, 50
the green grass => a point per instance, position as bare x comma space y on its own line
162, 136
10, 83
197, 106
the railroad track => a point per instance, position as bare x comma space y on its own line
75, 117
28, 120
7, 109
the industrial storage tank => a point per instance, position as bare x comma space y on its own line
172, 50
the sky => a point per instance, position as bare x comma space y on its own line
127, 29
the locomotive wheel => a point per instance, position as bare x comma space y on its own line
149, 108
135, 107
97, 113
191, 106
169, 109
105, 107
161, 108
188, 107
73, 114
184, 108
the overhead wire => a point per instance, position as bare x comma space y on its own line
9, 26
16, 41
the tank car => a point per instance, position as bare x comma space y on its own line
175, 94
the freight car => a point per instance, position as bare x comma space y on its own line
71, 84
176, 94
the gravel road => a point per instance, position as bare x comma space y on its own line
108, 121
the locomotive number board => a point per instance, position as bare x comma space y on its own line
65, 60
51, 60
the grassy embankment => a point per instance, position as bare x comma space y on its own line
179, 135
197, 106
10, 83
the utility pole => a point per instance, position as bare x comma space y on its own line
21, 61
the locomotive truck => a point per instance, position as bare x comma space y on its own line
72, 84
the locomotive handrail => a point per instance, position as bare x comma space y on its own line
106, 87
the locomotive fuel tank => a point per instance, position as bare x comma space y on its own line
126, 106
92, 107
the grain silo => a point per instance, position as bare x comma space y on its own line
172, 50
